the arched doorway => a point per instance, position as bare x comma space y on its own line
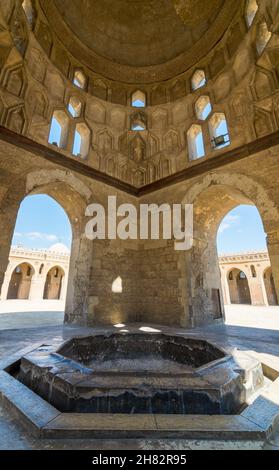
270, 287
73, 196
42, 237
242, 251
213, 198
239, 287
53, 283
20, 283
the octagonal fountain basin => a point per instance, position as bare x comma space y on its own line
136, 373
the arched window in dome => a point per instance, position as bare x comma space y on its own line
203, 107
263, 36
138, 99
81, 140
251, 11
198, 80
138, 127
74, 107
195, 142
219, 132
59, 129
138, 121
80, 79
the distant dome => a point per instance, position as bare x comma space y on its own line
59, 248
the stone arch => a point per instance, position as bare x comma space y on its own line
15, 80
213, 197
54, 282
73, 195
240, 189
139, 177
239, 289
20, 282
270, 289
16, 119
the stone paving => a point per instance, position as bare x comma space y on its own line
251, 336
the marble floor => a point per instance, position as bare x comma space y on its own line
258, 335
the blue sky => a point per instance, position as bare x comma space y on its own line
41, 223
241, 230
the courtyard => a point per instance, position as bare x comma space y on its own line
17, 314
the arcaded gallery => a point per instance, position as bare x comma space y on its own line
127, 114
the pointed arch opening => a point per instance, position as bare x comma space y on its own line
80, 79
39, 260
54, 283
242, 250
219, 132
239, 287
81, 140
195, 142
20, 282
198, 79
138, 99
59, 129
216, 228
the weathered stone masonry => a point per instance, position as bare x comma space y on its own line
40, 74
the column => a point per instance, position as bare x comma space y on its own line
257, 297
8, 214
273, 251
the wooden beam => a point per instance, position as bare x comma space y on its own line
198, 168
194, 169
72, 163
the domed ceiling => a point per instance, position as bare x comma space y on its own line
138, 40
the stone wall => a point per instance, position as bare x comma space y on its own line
159, 284
37, 80
41, 262
256, 267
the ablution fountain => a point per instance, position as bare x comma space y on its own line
139, 373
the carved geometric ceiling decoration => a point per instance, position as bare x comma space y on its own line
139, 41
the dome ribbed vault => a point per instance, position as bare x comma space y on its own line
139, 41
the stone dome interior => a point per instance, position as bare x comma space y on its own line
139, 33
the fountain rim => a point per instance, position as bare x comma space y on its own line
226, 356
